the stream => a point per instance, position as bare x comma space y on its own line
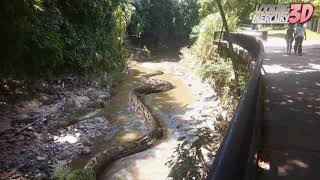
177, 111
72, 120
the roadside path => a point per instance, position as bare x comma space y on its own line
291, 124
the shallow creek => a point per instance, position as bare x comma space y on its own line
126, 125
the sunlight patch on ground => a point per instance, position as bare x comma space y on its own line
149, 163
314, 66
275, 68
67, 138
275, 42
128, 136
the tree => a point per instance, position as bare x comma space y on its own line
316, 4
227, 36
163, 22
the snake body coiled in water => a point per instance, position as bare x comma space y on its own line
155, 132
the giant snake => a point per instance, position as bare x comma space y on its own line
155, 132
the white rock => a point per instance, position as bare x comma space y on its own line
81, 101
41, 158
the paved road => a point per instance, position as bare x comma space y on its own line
291, 125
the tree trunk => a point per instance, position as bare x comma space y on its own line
220, 36
227, 36
318, 27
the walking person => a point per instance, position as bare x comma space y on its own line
299, 35
289, 38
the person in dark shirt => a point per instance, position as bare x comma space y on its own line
289, 37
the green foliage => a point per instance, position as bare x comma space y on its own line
186, 17
14, 17
156, 23
316, 4
189, 162
64, 173
203, 58
240, 9
57, 35
207, 7
94, 33
219, 72
204, 32
41, 36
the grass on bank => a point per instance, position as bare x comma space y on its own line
64, 173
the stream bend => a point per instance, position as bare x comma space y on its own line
155, 132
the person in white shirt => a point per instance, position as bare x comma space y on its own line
300, 34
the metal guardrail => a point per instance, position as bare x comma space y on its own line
235, 154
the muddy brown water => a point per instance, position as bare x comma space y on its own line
125, 124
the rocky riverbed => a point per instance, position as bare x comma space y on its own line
62, 122
68, 123
191, 115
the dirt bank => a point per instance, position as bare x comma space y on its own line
59, 122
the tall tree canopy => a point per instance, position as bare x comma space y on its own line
163, 21
86, 35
